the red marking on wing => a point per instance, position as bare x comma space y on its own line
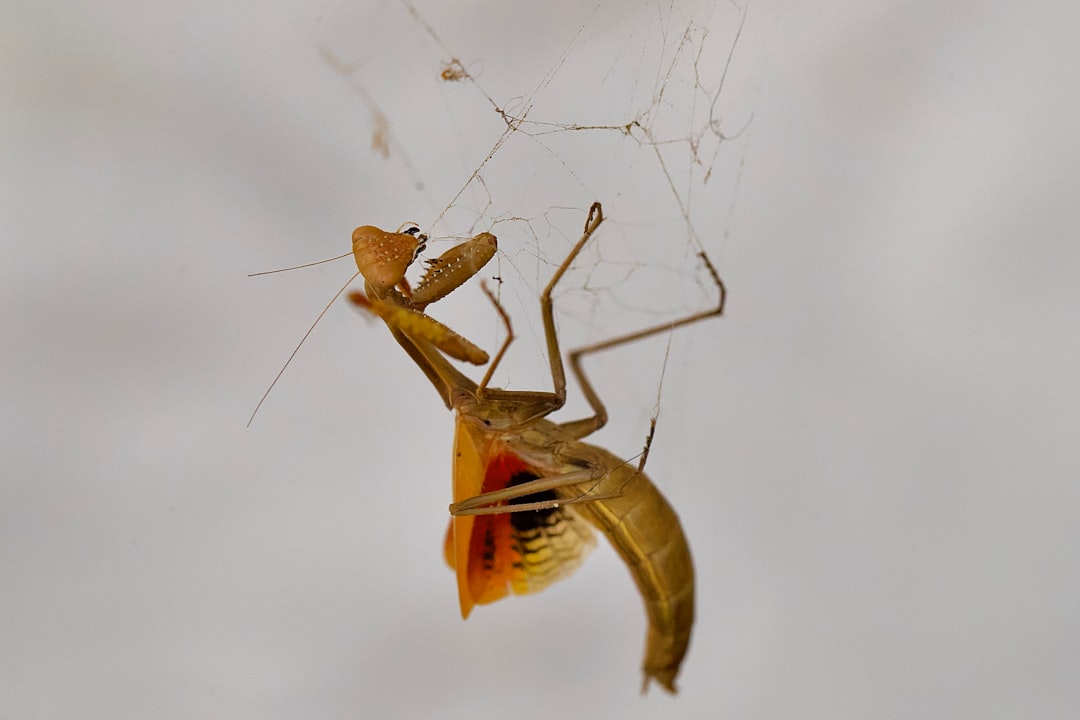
492, 552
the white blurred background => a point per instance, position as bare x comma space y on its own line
873, 453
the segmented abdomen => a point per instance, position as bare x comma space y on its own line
644, 529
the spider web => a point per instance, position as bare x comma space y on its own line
517, 126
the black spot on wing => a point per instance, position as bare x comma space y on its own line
530, 520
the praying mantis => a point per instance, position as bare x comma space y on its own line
526, 489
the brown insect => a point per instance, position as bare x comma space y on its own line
526, 490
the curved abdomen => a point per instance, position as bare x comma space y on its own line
644, 529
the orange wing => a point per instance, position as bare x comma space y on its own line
493, 554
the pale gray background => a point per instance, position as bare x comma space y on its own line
874, 454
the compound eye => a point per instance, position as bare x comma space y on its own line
411, 228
